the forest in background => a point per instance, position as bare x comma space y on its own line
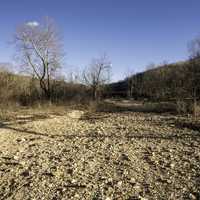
177, 82
39, 52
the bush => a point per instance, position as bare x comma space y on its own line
181, 107
26, 91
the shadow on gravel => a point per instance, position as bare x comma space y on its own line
189, 124
114, 107
1, 124
98, 136
23, 119
93, 116
31, 118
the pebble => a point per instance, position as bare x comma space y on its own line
119, 184
132, 181
110, 162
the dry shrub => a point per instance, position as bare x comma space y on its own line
8, 112
92, 106
198, 110
187, 107
27, 92
4, 115
181, 107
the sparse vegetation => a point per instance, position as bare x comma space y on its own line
97, 75
103, 155
138, 138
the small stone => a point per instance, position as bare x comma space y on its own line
76, 196
23, 163
137, 187
21, 140
169, 181
172, 165
110, 180
119, 184
31, 185
16, 158
132, 181
73, 181
143, 198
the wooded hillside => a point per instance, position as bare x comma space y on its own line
170, 81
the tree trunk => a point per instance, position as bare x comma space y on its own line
195, 105
48, 84
94, 93
46, 89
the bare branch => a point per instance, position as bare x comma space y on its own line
40, 48
97, 74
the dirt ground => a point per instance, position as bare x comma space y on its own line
108, 155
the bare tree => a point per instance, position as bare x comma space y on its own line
194, 48
194, 71
129, 77
97, 74
40, 51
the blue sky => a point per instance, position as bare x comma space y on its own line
133, 33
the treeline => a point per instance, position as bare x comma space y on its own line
39, 50
40, 54
178, 82
25, 90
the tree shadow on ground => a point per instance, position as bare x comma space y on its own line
23, 119
93, 116
1, 124
195, 126
30, 118
114, 107
136, 136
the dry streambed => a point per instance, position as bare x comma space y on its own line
105, 156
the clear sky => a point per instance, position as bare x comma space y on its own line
133, 33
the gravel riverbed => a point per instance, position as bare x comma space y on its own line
108, 156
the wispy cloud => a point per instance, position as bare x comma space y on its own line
32, 23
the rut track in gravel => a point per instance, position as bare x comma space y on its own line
124, 155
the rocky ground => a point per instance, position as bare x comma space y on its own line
120, 155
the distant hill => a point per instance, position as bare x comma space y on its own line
176, 80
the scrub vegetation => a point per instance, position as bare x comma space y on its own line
85, 137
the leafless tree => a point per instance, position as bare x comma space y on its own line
194, 48
194, 72
129, 77
40, 51
97, 74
